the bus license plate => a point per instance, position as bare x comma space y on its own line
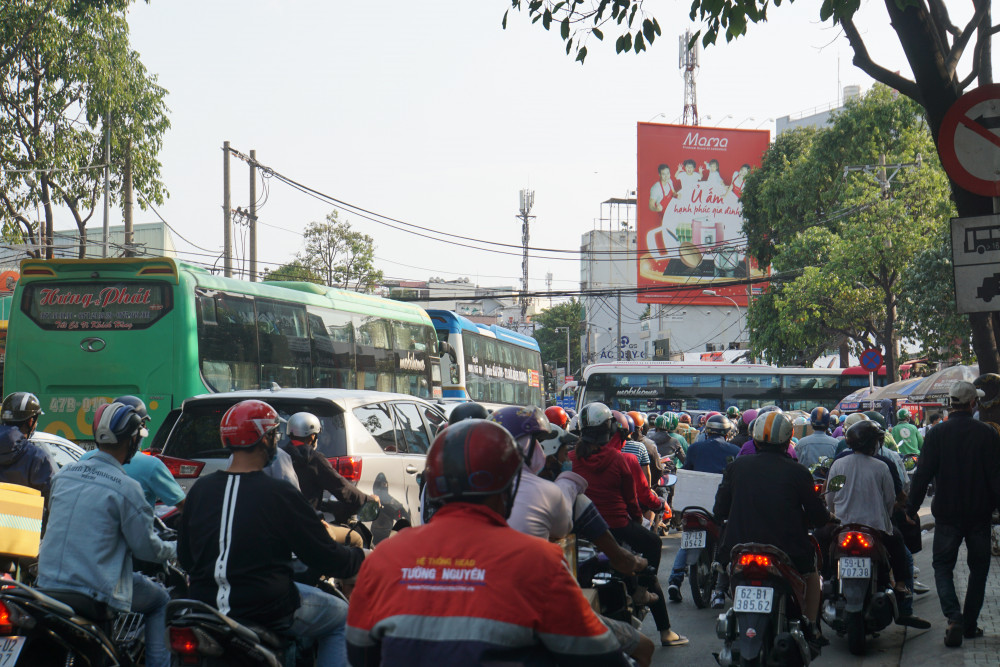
10, 648
693, 539
753, 599
855, 568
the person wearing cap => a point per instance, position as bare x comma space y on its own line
962, 457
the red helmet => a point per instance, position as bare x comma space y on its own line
246, 423
684, 418
557, 416
623, 427
473, 457
638, 418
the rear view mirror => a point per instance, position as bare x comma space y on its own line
910, 464
369, 511
836, 483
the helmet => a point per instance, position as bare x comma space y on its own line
865, 437
651, 417
684, 418
768, 408
638, 418
20, 407
903, 415
622, 424
671, 421
749, 416
136, 403
570, 412
467, 411
820, 418
772, 428
733, 413
853, 419
114, 422
303, 424
718, 424
595, 422
556, 415
246, 423
574, 424
630, 428
524, 421
876, 416
473, 458
702, 419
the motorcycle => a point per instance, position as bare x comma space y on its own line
595, 571
859, 600
765, 625
700, 539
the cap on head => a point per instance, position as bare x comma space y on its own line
962, 393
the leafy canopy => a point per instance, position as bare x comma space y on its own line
553, 343
339, 255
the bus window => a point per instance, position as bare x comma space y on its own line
375, 361
285, 355
227, 343
807, 382
330, 333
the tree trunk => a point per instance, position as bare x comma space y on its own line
889, 338
48, 240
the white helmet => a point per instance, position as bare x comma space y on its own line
853, 419
301, 425
772, 428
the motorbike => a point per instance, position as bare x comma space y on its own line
859, 601
700, 539
765, 625
594, 571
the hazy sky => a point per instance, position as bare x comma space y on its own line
432, 114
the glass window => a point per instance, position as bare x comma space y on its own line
375, 360
377, 420
227, 342
411, 428
285, 350
809, 382
752, 381
332, 336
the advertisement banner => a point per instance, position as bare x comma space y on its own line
690, 218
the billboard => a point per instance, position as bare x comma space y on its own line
690, 219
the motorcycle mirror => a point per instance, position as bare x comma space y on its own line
369, 511
836, 483
909, 464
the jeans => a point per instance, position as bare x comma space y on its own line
906, 605
150, 599
680, 568
649, 545
322, 618
947, 540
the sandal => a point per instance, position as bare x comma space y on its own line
679, 641
953, 635
974, 633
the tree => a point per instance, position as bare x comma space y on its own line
553, 343
850, 239
340, 256
293, 271
933, 45
69, 77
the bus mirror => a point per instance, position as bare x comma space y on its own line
444, 347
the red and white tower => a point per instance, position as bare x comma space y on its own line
688, 63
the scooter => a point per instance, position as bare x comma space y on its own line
594, 571
700, 539
765, 625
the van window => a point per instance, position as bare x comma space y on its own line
411, 428
377, 420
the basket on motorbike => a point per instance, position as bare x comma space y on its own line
21, 519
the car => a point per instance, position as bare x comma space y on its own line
377, 440
990, 288
62, 451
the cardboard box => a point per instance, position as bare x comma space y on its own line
695, 489
20, 520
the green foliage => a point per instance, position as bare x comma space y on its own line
294, 271
851, 242
553, 343
340, 256
67, 72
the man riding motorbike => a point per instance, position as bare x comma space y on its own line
818, 444
907, 436
238, 533
21, 461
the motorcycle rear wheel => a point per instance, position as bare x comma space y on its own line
703, 578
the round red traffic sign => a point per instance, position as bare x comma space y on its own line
969, 141
871, 359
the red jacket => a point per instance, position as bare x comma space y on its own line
610, 485
647, 499
466, 589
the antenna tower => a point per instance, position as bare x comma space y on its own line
527, 201
688, 64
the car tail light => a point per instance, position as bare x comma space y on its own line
184, 643
6, 626
182, 468
760, 560
348, 466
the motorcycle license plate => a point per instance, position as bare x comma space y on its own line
855, 568
693, 539
10, 648
753, 599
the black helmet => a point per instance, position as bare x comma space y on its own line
136, 404
718, 425
20, 406
865, 437
468, 410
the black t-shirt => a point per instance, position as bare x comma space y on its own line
262, 522
317, 475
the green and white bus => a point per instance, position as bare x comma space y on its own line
84, 331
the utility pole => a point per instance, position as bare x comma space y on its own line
618, 343
527, 201
253, 216
107, 183
227, 215
127, 199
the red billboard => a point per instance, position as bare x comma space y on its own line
690, 219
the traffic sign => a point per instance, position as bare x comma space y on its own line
871, 359
975, 254
969, 141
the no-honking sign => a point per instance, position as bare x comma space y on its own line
969, 141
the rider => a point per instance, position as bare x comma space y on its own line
557, 416
519, 603
98, 519
907, 436
22, 461
668, 442
769, 498
685, 430
240, 529
743, 428
868, 497
633, 445
818, 444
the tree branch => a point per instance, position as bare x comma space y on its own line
939, 12
958, 48
24, 37
863, 61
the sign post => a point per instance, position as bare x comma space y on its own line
871, 361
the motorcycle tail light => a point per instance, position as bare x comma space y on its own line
6, 626
348, 466
184, 644
856, 542
695, 521
760, 560
818, 488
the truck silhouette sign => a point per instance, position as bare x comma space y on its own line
990, 288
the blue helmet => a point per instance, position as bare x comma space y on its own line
820, 418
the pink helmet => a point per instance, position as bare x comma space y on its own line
749, 416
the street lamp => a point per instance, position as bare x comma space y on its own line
567, 330
743, 121
721, 120
766, 120
712, 292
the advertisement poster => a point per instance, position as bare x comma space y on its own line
690, 218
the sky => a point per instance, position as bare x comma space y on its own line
432, 114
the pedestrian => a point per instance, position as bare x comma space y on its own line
962, 457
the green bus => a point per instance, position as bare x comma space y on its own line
84, 331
